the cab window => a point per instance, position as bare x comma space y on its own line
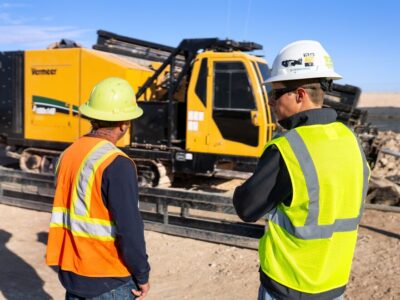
232, 89
234, 103
265, 73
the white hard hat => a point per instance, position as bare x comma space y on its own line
302, 60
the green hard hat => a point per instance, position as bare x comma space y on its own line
112, 99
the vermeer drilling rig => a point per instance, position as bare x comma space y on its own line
205, 106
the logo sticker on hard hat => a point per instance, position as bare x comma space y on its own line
328, 62
309, 59
292, 62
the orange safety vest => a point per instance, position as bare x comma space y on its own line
82, 232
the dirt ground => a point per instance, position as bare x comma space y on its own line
189, 269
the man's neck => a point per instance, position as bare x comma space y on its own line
104, 133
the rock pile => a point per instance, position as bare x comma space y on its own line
385, 178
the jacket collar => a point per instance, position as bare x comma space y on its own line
309, 117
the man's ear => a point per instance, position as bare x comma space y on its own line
123, 126
301, 93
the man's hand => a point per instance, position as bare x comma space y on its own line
142, 292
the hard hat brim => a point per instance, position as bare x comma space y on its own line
130, 114
298, 76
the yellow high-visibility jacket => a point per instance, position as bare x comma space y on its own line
309, 245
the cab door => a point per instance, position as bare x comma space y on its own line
237, 109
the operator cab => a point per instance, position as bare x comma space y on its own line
227, 104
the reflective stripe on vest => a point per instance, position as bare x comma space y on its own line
311, 229
100, 229
83, 183
78, 219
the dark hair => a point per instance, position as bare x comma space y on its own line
97, 124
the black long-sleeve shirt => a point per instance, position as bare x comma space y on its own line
270, 185
120, 194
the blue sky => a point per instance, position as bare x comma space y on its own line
362, 37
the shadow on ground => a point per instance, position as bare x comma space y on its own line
18, 280
42, 238
381, 231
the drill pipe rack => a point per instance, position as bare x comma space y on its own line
192, 214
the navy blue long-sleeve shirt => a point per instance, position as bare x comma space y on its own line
120, 195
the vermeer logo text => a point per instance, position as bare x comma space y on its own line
44, 71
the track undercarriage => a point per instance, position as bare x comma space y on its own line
151, 173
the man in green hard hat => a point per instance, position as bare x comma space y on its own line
96, 235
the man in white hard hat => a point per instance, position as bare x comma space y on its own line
311, 181
96, 233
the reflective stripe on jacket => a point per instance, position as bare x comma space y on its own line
82, 232
310, 244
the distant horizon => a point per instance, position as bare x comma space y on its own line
374, 92
359, 36
380, 100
